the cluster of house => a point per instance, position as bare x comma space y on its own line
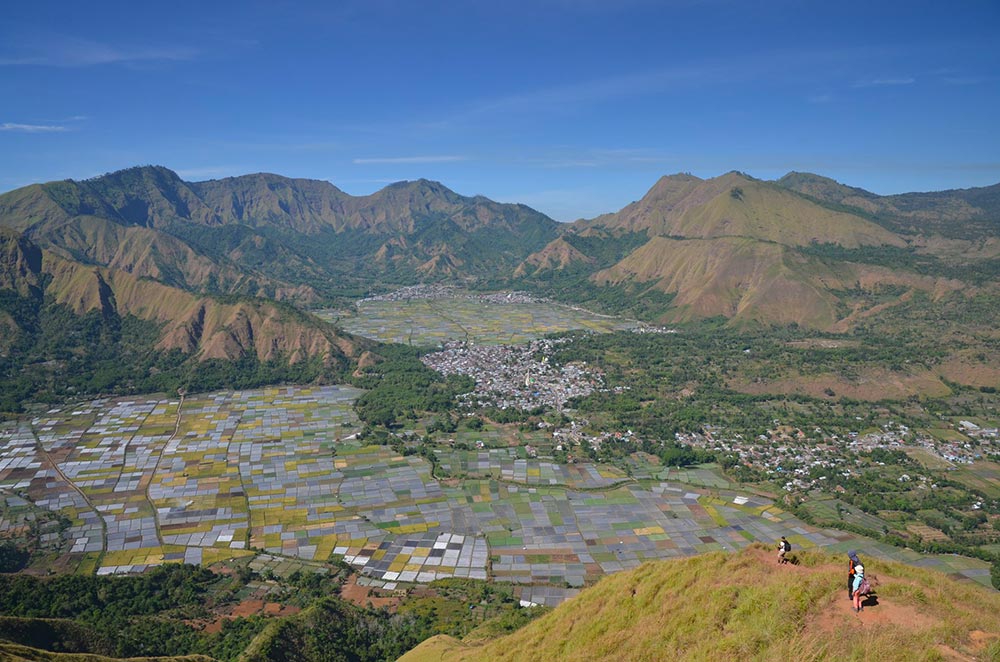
515, 376
653, 329
976, 432
575, 434
505, 297
977, 443
431, 291
522, 377
803, 456
411, 292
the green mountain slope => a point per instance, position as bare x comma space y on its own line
119, 222
721, 606
271, 200
558, 254
777, 252
972, 213
72, 327
735, 277
267, 235
63, 640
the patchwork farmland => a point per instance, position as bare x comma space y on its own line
280, 473
433, 321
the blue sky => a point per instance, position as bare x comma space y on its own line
572, 107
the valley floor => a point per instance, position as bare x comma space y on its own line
120, 485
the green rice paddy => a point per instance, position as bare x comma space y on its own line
278, 473
430, 322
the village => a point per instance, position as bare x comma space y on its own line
522, 377
802, 456
433, 291
515, 376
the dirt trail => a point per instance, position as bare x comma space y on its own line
156, 468
83, 495
246, 608
877, 612
363, 596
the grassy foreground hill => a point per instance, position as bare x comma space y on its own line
716, 606
722, 606
17, 653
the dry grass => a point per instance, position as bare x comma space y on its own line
743, 606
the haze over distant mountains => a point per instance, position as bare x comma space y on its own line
803, 249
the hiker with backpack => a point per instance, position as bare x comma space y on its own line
783, 547
861, 587
853, 559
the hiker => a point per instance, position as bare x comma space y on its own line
859, 579
852, 557
783, 546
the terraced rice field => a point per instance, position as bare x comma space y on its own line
983, 476
280, 474
506, 465
430, 322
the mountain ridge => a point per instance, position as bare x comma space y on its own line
195, 325
766, 252
233, 232
735, 204
307, 241
967, 213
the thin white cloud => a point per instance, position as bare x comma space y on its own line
564, 163
53, 50
966, 80
631, 155
32, 128
885, 82
61, 120
410, 159
769, 67
954, 76
563, 205
598, 158
280, 145
820, 98
568, 96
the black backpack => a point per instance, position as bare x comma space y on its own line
787, 545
